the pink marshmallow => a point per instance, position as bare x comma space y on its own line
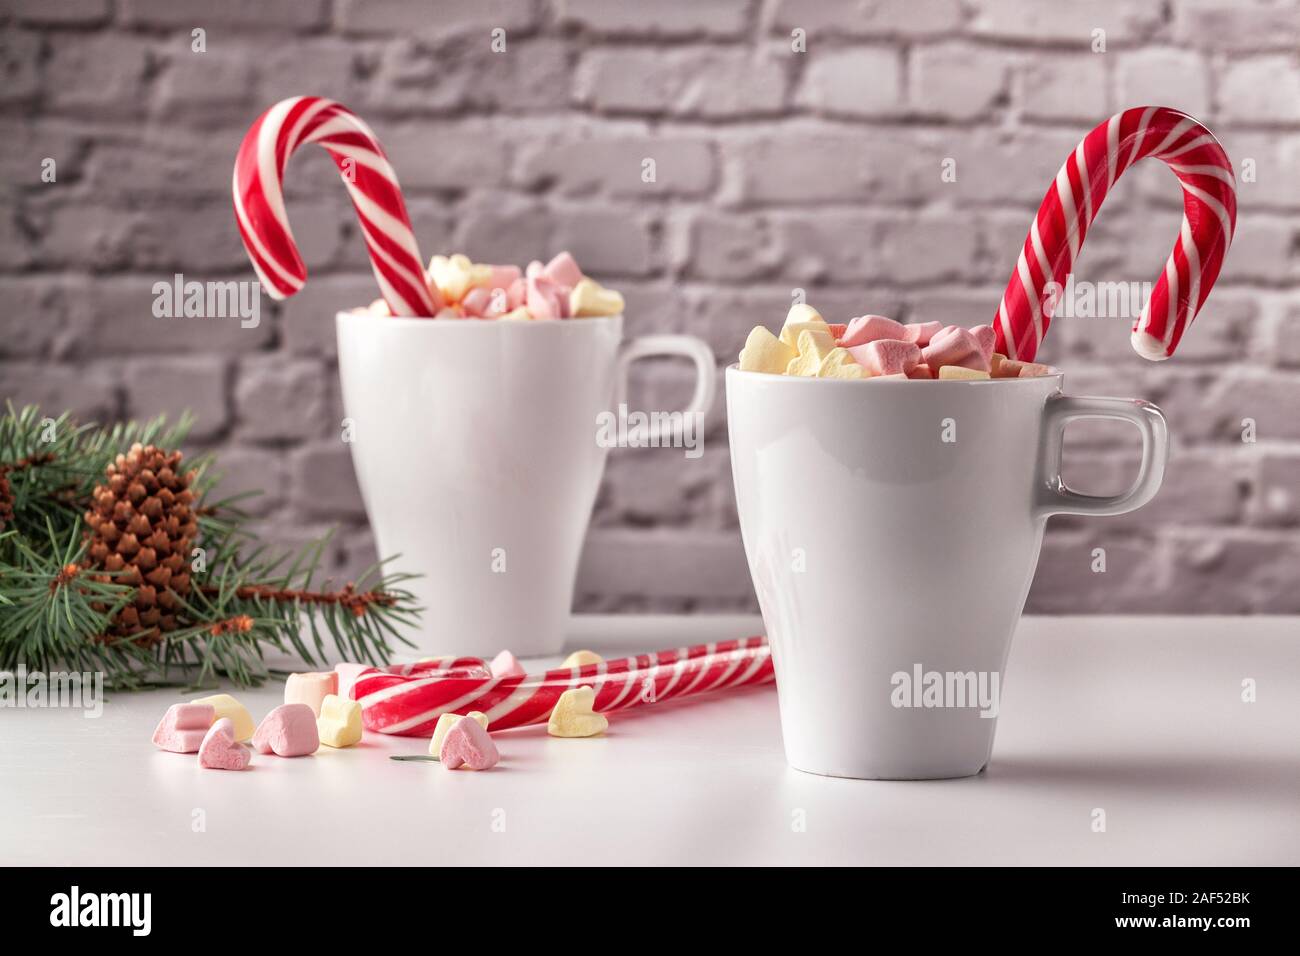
921, 332
953, 345
183, 727
449, 312
544, 299
506, 664
535, 268
468, 744
516, 294
503, 277
311, 689
476, 301
869, 328
987, 337
220, 750
564, 270
887, 356
288, 731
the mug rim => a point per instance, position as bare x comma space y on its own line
426, 322
734, 368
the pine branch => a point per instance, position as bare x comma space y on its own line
57, 610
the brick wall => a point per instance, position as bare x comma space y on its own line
775, 170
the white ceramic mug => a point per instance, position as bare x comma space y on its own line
476, 448
893, 525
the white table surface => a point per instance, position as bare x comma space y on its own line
1141, 717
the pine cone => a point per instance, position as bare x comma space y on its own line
142, 522
6, 500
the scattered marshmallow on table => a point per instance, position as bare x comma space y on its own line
467, 744
573, 715
183, 727
582, 658
288, 731
347, 676
339, 723
445, 723
311, 688
226, 706
506, 664
220, 750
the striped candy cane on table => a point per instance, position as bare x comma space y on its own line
408, 701
369, 178
1072, 201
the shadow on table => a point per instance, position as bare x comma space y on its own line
1267, 777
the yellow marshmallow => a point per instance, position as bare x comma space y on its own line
801, 317
764, 352
339, 723
456, 275
838, 363
958, 372
517, 315
227, 706
582, 659
814, 346
446, 722
589, 298
573, 716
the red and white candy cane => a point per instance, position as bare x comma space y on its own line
1072, 201
369, 178
408, 700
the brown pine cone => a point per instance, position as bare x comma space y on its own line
142, 522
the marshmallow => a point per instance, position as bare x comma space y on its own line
895, 376
921, 371
477, 301
520, 314
449, 312
801, 317
446, 722
870, 328
838, 363
813, 347
506, 664
837, 330
339, 723
953, 345
533, 269
288, 731
456, 275
226, 706
961, 372
573, 715
582, 659
544, 299
564, 270
183, 727
920, 333
887, 356
347, 675
764, 352
987, 338
1034, 369
220, 750
380, 307
468, 745
503, 277
517, 293
589, 298
311, 689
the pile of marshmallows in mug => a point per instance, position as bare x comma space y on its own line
872, 346
462, 289
318, 710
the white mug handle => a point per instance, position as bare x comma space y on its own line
1054, 498
689, 346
